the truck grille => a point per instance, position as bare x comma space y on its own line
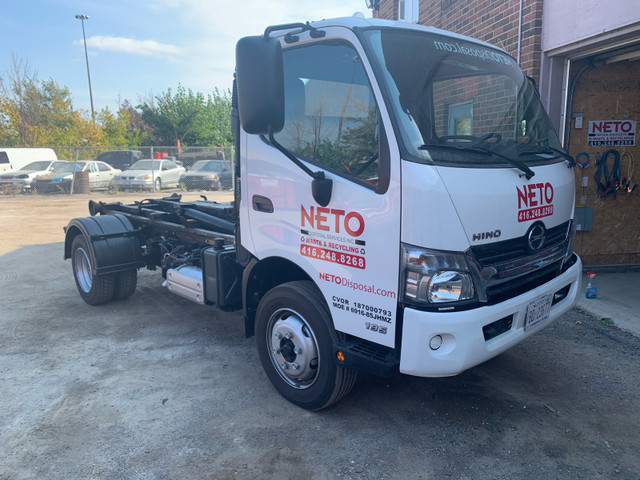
507, 269
508, 250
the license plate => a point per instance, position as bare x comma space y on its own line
538, 311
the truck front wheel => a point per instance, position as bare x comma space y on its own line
295, 337
94, 289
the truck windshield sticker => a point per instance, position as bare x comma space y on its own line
535, 201
481, 53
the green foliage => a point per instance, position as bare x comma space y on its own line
40, 113
122, 129
191, 118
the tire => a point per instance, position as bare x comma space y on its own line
125, 284
217, 186
94, 289
158, 184
295, 337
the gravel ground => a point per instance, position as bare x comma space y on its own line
156, 387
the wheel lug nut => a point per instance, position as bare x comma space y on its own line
297, 350
284, 365
287, 335
295, 365
278, 335
276, 350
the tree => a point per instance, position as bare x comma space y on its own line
189, 117
124, 129
39, 113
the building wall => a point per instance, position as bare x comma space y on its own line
607, 92
495, 22
568, 22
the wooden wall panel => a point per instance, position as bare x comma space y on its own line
608, 92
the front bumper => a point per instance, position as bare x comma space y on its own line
63, 186
199, 183
133, 184
463, 340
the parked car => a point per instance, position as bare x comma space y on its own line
20, 180
61, 176
208, 175
146, 173
121, 159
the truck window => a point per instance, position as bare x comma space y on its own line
330, 112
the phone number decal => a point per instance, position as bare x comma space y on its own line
535, 213
333, 256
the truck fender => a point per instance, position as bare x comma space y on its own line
113, 242
260, 276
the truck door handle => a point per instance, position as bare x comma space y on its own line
262, 204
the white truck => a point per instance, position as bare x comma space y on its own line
401, 204
14, 158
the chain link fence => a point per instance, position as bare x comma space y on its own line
82, 169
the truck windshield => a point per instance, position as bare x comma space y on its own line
458, 102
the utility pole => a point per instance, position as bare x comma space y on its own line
82, 17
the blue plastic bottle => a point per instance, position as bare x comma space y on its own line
592, 290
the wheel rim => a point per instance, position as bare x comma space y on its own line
82, 266
293, 348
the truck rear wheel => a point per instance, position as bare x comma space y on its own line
94, 289
295, 337
125, 284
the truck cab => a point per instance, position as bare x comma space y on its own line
447, 235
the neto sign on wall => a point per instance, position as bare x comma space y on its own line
612, 132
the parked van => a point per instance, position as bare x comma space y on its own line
16, 158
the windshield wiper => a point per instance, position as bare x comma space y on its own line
476, 148
550, 150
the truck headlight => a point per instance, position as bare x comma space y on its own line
432, 276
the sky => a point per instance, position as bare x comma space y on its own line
138, 49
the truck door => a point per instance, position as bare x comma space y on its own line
350, 247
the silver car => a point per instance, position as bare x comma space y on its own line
20, 180
147, 173
61, 177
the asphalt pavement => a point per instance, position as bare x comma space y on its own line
618, 296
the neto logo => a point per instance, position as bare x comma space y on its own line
611, 126
535, 195
322, 218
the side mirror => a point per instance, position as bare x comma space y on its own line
260, 84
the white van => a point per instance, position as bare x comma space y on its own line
16, 158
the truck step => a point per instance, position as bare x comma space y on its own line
367, 357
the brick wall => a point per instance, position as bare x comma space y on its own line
490, 100
493, 21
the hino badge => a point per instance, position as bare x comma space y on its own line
402, 204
